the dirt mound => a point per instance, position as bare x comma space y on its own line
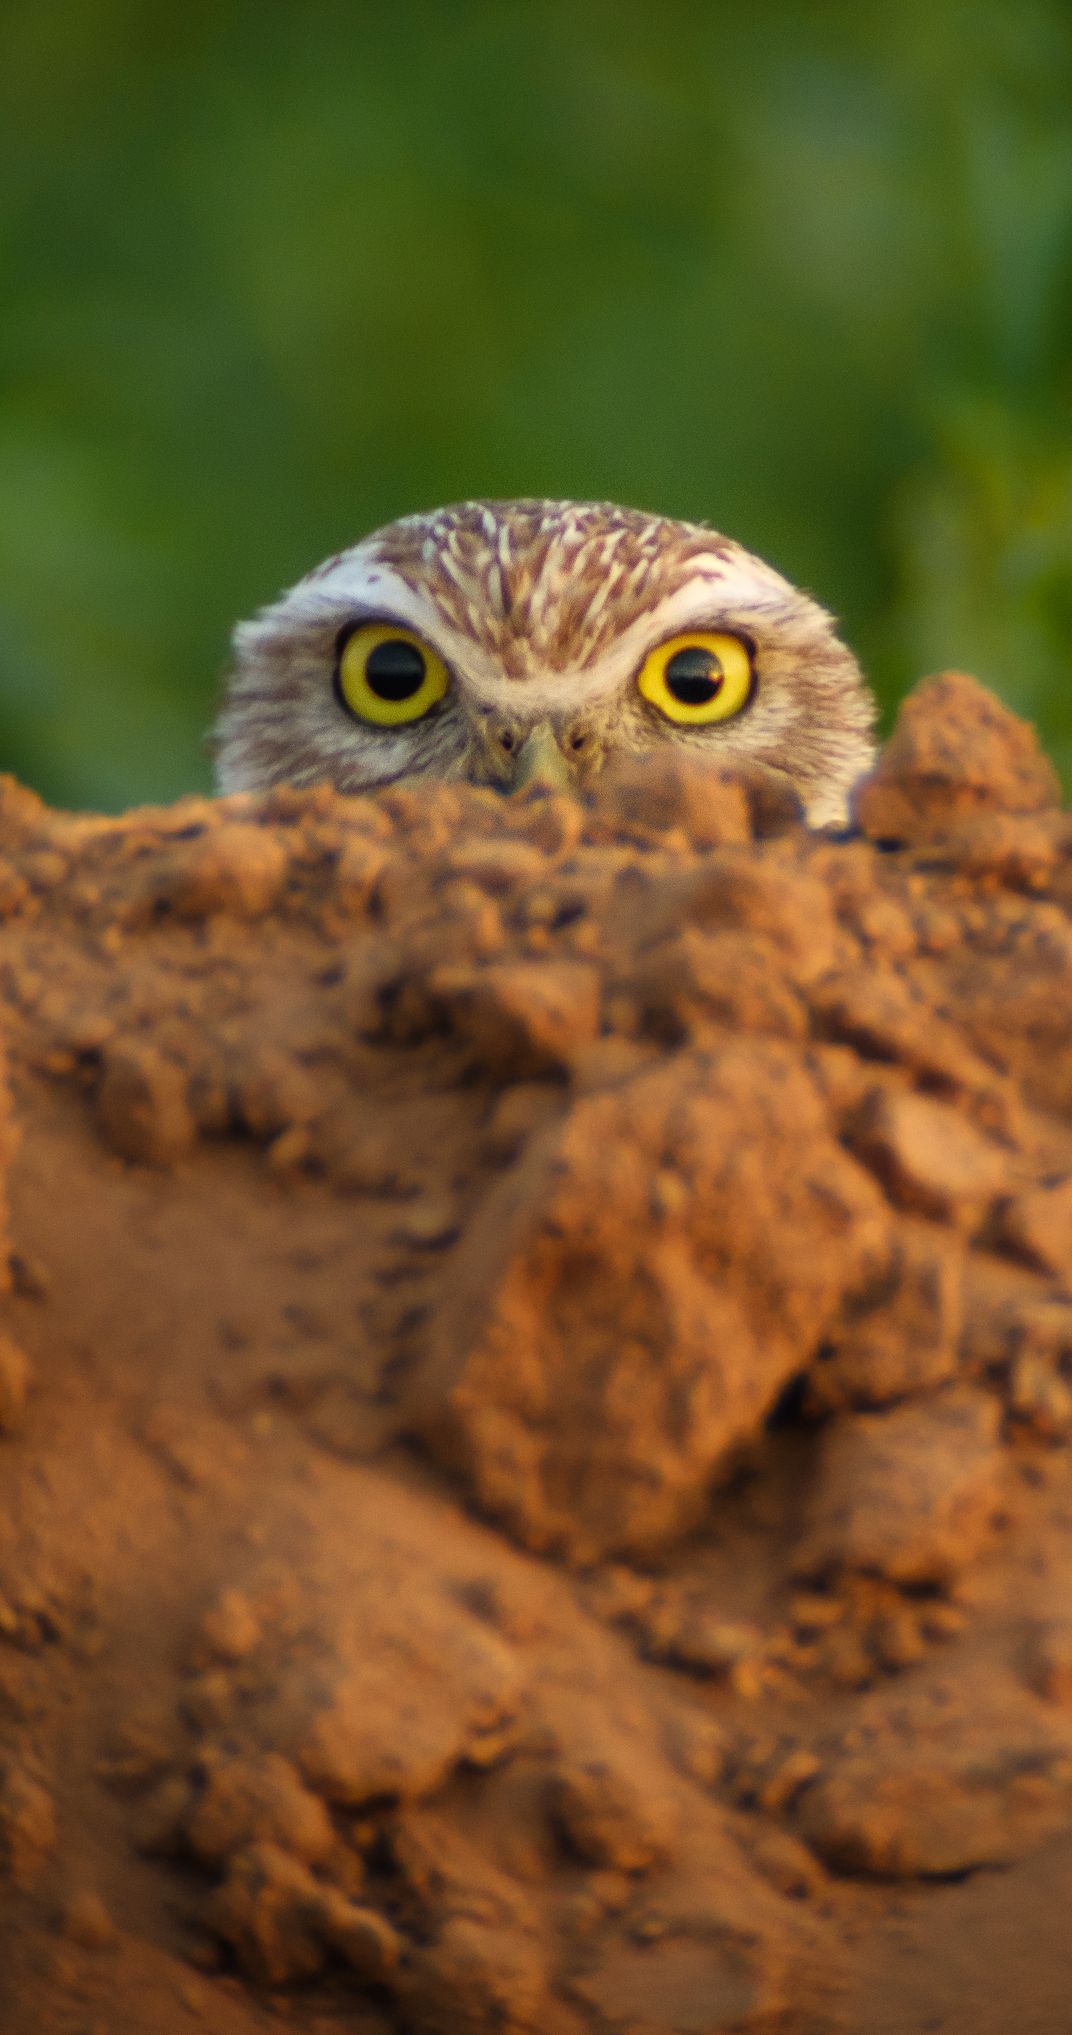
536, 1394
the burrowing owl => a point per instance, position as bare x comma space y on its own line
501, 641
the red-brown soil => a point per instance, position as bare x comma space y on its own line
536, 1402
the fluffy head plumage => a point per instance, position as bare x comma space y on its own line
544, 613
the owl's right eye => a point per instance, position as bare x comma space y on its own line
385, 674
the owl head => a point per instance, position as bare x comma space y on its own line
499, 642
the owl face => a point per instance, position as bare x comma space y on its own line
499, 642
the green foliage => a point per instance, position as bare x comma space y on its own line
275, 273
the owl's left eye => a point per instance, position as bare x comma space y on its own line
385, 674
698, 678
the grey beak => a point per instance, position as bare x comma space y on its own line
540, 760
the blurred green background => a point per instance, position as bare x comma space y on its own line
272, 273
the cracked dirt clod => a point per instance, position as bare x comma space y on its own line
611, 1816
652, 794
232, 868
703, 1328
938, 1800
955, 752
521, 1020
902, 1336
909, 1493
928, 1157
143, 1107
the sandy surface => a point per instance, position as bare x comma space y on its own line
536, 1391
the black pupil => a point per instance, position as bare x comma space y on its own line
395, 669
693, 675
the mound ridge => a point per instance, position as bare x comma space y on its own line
535, 1403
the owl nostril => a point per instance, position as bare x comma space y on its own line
508, 742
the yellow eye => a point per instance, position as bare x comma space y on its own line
386, 675
698, 679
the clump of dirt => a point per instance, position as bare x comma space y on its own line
536, 1403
